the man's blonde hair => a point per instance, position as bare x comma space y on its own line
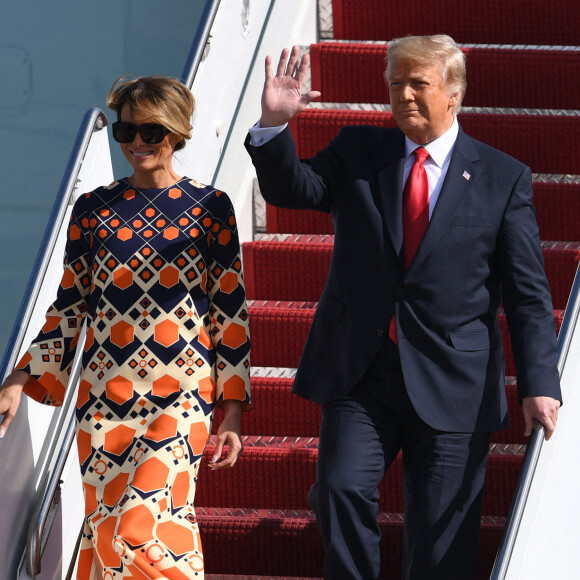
429, 50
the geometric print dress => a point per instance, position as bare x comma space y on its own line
157, 276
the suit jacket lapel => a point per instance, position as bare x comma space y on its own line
460, 176
389, 162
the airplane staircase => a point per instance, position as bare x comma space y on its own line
523, 92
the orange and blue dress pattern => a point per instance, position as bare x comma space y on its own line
157, 276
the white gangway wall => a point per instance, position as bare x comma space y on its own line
227, 89
547, 544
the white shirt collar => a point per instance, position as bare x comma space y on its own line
440, 148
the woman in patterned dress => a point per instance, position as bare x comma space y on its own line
153, 266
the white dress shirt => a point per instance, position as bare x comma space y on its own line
437, 164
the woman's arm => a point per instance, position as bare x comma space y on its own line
10, 394
50, 356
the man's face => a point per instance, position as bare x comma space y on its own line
421, 102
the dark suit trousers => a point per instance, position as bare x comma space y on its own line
443, 475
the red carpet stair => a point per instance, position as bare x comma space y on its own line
255, 520
497, 77
534, 22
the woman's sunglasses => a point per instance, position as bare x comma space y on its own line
151, 133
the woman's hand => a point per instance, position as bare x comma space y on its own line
282, 97
10, 393
228, 434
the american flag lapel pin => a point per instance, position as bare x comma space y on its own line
466, 175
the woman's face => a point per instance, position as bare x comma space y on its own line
146, 158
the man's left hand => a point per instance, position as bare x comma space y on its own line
542, 409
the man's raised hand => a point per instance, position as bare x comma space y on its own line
282, 97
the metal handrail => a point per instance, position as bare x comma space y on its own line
49, 501
535, 444
200, 42
93, 120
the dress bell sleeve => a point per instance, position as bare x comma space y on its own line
49, 358
230, 333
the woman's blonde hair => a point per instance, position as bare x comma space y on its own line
429, 50
164, 98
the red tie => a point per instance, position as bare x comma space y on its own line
415, 215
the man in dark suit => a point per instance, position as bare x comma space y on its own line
405, 351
